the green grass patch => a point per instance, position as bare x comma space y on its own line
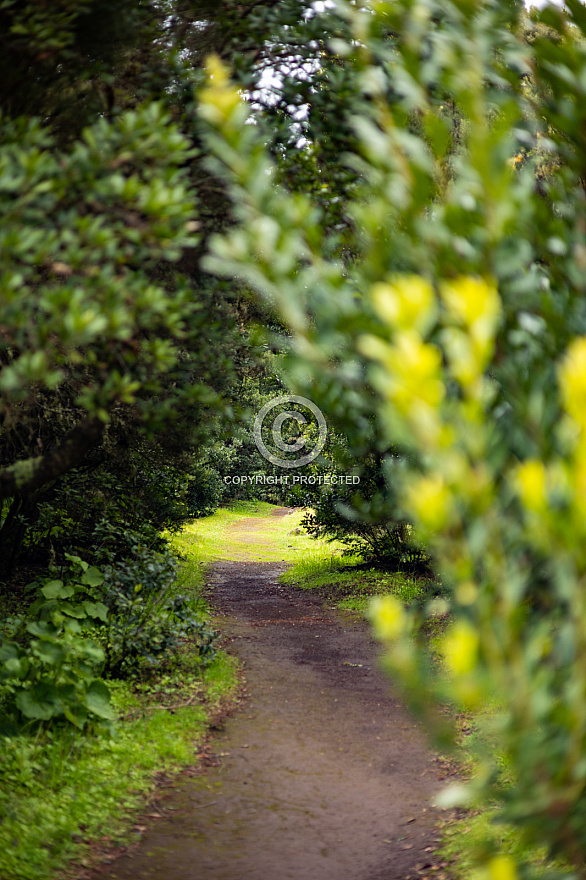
61, 791
349, 586
249, 532
475, 838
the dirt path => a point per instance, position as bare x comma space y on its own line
321, 775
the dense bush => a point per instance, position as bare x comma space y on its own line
359, 515
50, 667
86, 626
147, 619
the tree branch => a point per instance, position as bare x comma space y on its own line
32, 473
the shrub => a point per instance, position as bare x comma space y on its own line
88, 625
147, 620
50, 668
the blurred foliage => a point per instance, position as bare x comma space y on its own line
82, 231
454, 315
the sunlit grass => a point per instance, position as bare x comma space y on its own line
474, 838
61, 790
317, 565
248, 532
340, 579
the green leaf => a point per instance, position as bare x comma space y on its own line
92, 651
15, 668
77, 560
96, 609
77, 611
34, 585
93, 577
77, 715
41, 628
67, 592
52, 589
8, 651
97, 699
49, 652
40, 701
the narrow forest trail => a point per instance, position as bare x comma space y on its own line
321, 775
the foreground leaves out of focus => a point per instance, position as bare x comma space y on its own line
451, 321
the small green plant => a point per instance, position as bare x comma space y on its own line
49, 669
90, 625
147, 619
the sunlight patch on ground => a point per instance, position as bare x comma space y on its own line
251, 532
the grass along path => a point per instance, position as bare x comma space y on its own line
69, 800
68, 797
352, 589
250, 532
